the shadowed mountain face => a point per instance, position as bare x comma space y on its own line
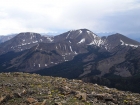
44, 55
74, 54
43, 52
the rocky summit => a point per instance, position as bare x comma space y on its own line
33, 89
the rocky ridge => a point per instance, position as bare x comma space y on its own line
43, 52
23, 41
27, 40
33, 89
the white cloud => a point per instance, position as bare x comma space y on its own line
54, 15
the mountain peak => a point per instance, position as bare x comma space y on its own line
23, 41
81, 36
123, 38
28, 34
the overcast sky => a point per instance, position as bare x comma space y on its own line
43, 16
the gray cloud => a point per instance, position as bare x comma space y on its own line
128, 21
48, 16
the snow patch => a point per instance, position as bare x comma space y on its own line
65, 47
70, 48
75, 52
38, 65
82, 41
80, 31
98, 42
37, 46
35, 41
41, 40
122, 43
23, 44
59, 45
49, 39
94, 35
88, 32
68, 35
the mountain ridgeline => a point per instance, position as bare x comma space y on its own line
6, 38
77, 54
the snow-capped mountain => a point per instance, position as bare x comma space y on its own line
44, 52
117, 39
81, 35
23, 41
90, 38
73, 54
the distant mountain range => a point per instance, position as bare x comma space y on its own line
77, 54
137, 39
134, 36
5, 38
104, 33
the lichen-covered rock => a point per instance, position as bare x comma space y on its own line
31, 100
81, 96
57, 103
5, 98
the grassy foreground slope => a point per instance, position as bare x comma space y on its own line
33, 89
